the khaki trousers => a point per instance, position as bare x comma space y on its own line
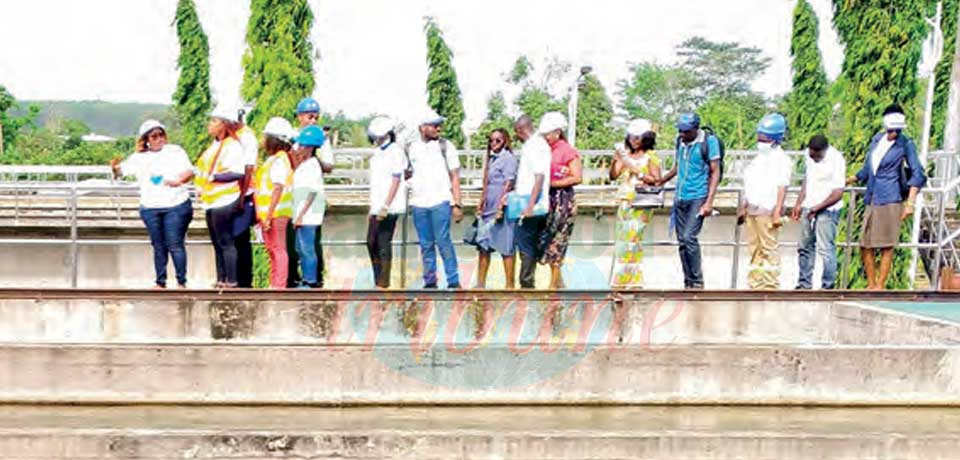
764, 253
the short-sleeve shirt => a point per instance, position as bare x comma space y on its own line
386, 164
279, 172
823, 177
430, 185
693, 181
251, 150
535, 160
561, 156
308, 179
152, 169
763, 178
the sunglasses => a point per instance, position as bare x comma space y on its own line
496, 140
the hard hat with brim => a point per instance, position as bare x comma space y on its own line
431, 118
280, 128
150, 125
311, 136
380, 126
224, 113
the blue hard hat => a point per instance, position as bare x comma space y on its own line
773, 126
688, 121
308, 105
311, 136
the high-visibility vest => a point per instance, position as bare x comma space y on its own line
265, 186
210, 164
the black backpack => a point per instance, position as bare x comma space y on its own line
705, 148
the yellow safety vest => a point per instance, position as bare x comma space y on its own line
265, 186
210, 164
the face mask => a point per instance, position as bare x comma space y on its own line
765, 147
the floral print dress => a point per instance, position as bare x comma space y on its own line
627, 270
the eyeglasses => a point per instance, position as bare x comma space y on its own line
496, 140
157, 135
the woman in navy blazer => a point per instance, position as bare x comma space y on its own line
893, 175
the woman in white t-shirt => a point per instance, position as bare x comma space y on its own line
387, 199
308, 203
162, 170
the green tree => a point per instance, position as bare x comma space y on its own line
496, 118
882, 43
721, 69
13, 124
192, 100
595, 129
734, 118
442, 88
808, 105
278, 65
944, 68
535, 98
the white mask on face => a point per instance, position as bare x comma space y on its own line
764, 147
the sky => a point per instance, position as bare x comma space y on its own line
370, 54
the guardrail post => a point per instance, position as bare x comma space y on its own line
735, 273
848, 249
938, 253
74, 249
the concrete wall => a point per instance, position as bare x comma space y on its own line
131, 266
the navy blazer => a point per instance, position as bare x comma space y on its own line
884, 186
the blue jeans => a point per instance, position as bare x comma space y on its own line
307, 250
689, 222
168, 229
819, 238
433, 230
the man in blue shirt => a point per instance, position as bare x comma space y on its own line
893, 175
698, 166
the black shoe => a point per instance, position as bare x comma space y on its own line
429, 286
454, 287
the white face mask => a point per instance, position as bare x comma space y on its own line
764, 147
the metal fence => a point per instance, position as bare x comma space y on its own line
936, 247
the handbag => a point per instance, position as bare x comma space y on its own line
648, 196
471, 234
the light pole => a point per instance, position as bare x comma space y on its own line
574, 104
930, 70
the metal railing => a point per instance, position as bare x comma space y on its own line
72, 193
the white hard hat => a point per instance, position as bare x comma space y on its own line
552, 121
430, 117
639, 126
380, 126
224, 113
281, 128
150, 125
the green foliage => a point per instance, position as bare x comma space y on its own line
192, 100
278, 66
261, 267
442, 87
522, 69
114, 119
721, 69
45, 147
808, 106
595, 117
656, 92
537, 101
535, 98
496, 118
734, 118
12, 124
944, 70
352, 132
882, 42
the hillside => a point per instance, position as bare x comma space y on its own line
109, 118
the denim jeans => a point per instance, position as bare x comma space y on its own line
307, 250
689, 222
433, 230
818, 239
168, 229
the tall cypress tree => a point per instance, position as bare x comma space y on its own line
809, 105
192, 100
442, 88
278, 65
595, 116
883, 42
944, 69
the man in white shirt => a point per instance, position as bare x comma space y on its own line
244, 222
532, 180
765, 184
434, 199
818, 211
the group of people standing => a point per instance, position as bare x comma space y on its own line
527, 205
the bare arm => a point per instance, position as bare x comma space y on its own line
392, 193
574, 178
707, 207
303, 210
653, 174
455, 185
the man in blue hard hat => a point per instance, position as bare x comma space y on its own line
697, 168
765, 183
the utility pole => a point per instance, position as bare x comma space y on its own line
934, 56
1, 138
573, 106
